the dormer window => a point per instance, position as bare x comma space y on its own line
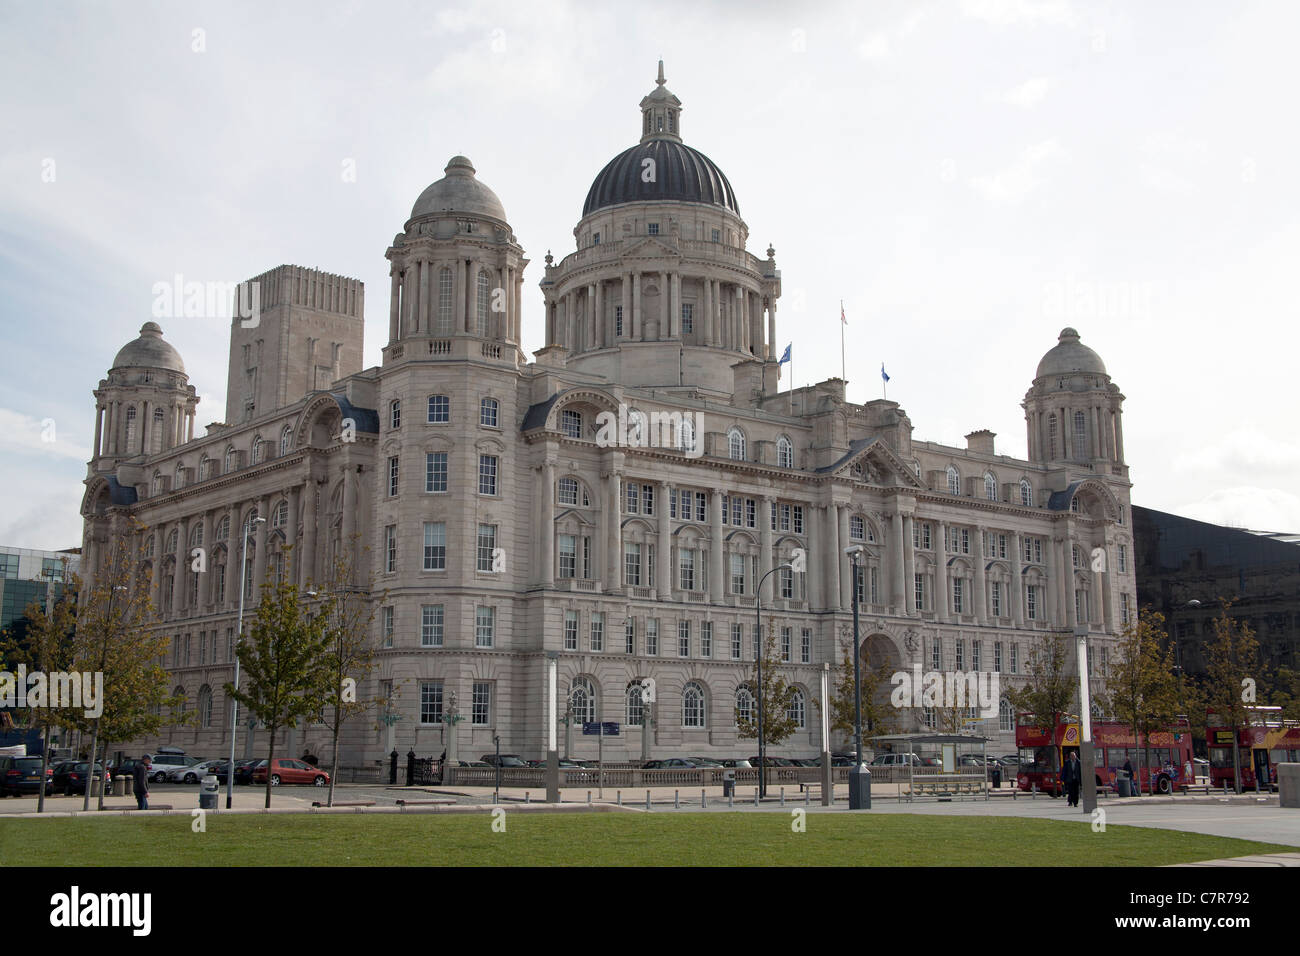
653, 229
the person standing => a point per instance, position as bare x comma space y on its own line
1133, 780
1072, 778
141, 774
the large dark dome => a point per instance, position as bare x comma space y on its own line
682, 174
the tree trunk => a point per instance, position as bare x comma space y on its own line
45, 768
270, 763
103, 779
90, 767
334, 763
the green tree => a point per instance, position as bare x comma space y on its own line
1235, 670
777, 695
284, 661
1051, 685
877, 716
351, 655
1143, 685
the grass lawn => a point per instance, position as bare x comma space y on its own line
618, 839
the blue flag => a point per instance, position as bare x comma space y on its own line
786, 357
883, 376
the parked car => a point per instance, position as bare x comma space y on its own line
166, 760
507, 760
289, 770
669, 763
464, 763
72, 778
739, 763
194, 772
244, 770
898, 760
124, 767
772, 761
705, 762
20, 775
1010, 761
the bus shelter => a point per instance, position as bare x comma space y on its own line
948, 781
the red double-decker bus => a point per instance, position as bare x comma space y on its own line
1165, 756
1266, 741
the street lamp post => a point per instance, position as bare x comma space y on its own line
1087, 757
239, 637
758, 654
859, 776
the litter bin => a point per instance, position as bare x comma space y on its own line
128, 785
208, 791
1124, 785
728, 783
119, 785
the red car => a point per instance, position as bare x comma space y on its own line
288, 770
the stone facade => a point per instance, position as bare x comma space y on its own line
503, 524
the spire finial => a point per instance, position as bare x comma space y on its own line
660, 80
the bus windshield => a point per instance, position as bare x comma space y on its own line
1038, 760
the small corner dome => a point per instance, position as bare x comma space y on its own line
150, 350
1069, 356
459, 192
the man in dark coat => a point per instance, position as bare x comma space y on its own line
1128, 769
1072, 778
141, 774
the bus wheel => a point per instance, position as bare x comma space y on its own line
1164, 784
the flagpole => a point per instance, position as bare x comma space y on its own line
843, 368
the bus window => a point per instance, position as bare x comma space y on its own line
1221, 757
1038, 760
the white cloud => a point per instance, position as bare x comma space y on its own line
1006, 12
1017, 181
1246, 506
874, 47
1029, 93
21, 434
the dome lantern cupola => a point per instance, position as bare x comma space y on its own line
661, 113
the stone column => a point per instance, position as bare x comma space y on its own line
675, 307
460, 296
909, 568
981, 582
717, 573
598, 320
1017, 594
613, 538
627, 307
99, 429
772, 353
846, 563
942, 588
1105, 584
293, 535
260, 534
765, 563
307, 559
830, 553
898, 583
665, 306
1053, 585
754, 302
664, 583
637, 329
1067, 580
550, 322
182, 565
706, 312
546, 495
571, 322
424, 313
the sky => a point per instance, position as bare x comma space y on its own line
968, 177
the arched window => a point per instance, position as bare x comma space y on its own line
196, 536
229, 464
156, 436
179, 481
1051, 437
257, 448
395, 413
280, 517
990, 487
444, 301
130, 428
223, 529
183, 702
744, 705
205, 468
205, 706
571, 423
484, 295
1026, 493
171, 542
1006, 717
954, 481
582, 700
635, 716
1080, 436
736, 444
286, 439
798, 709
784, 453
692, 705
157, 482
857, 527
488, 412
686, 435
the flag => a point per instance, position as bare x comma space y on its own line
843, 320
786, 356
883, 376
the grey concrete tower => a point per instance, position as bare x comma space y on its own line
661, 290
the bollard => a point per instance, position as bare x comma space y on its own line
647, 799
677, 799
620, 798
704, 800
730, 796
807, 797
756, 796
527, 797
783, 796
588, 798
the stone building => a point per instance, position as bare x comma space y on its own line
614, 502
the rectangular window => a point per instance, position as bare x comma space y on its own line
392, 476
672, 502
737, 574
648, 499
957, 583
618, 321
961, 653
706, 638
787, 644
652, 636
481, 708
737, 636
805, 646
787, 584
1123, 608
487, 544
796, 524
570, 630
435, 472
1031, 602
629, 635
487, 412
435, 546
936, 653
920, 592
487, 474
873, 575
439, 409
586, 557
484, 626
701, 506
387, 624
751, 513
1015, 658
686, 567
631, 564
975, 647
688, 318
568, 556
1123, 559
652, 228
683, 638
597, 631
632, 503
965, 541
997, 657
431, 625
431, 702
997, 599
649, 565
390, 548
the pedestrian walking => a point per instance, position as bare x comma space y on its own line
1128, 769
1072, 778
141, 774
